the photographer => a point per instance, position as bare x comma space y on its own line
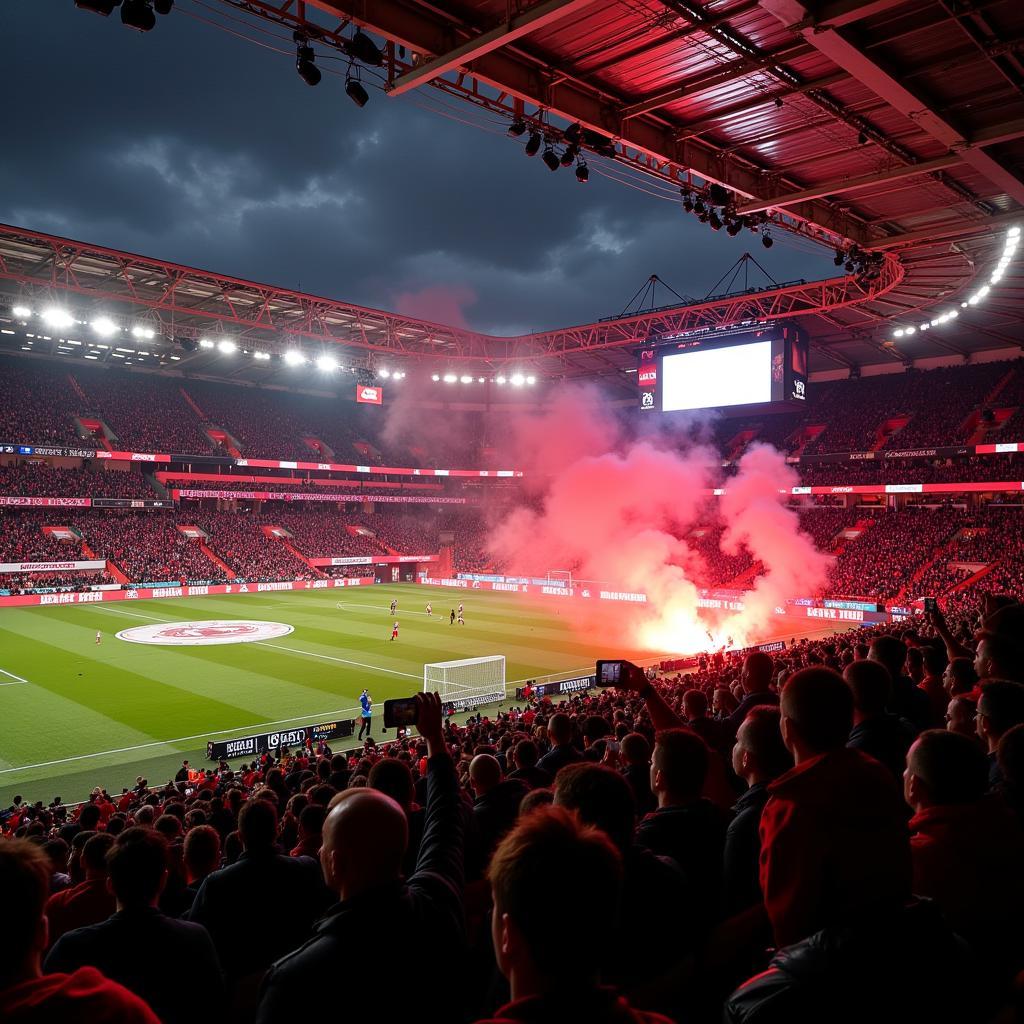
364, 842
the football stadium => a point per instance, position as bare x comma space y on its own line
526, 499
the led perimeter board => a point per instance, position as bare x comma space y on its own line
755, 367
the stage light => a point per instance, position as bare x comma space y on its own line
550, 159
163, 7
450, 378
910, 330
518, 380
714, 220
778, 102
104, 7
531, 380
569, 155
21, 312
516, 128
719, 196
326, 364
767, 241
104, 326
572, 133
226, 346
205, 343
850, 266
435, 377
137, 14
466, 379
687, 200
499, 379
356, 93
840, 258
57, 318
364, 49
734, 227
699, 206
582, 173
305, 62
898, 333
533, 144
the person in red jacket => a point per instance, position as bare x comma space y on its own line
27, 996
90, 901
967, 847
834, 840
546, 951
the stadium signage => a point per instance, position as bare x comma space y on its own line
369, 395
51, 502
415, 499
145, 593
622, 595
250, 746
62, 453
50, 566
454, 707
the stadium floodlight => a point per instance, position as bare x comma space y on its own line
305, 60
227, 347
450, 378
518, 380
56, 317
326, 364
466, 379
205, 343
384, 373
582, 172
21, 312
104, 326
137, 14
294, 358
138, 331
531, 379
356, 93
467, 683
435, 377
262, 356
500, 379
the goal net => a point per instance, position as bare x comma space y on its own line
467, 683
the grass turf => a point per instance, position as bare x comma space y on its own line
89, 714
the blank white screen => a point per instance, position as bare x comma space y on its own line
710, 378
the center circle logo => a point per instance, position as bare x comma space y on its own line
205, 633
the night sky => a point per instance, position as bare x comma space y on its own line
191, 145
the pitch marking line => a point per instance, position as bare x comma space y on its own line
14, 680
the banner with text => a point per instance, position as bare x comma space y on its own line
51, 566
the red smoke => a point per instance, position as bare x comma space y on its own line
618, 510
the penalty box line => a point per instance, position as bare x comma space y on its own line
12, 679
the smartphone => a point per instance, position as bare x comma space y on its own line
614, 673
400, 713
930, 605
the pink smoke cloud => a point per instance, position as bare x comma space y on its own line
618, 510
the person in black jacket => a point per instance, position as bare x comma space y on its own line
136, 945
905, 699
412, 930
263, 895
495, 809
562, 751
756, 680
525, 756
876, 732
759, 757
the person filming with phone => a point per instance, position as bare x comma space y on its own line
364, 842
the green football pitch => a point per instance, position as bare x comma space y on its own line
75, 714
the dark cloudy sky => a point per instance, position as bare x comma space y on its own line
191, 145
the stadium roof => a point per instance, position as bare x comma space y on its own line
889, 127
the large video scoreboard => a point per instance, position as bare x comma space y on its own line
757, 367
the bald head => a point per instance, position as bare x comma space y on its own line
757, 672
364, 841
484, 773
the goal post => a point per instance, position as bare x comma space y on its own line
468, 683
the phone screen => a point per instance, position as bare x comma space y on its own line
610, 673
400, 713
930, 604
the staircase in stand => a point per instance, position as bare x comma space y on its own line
115, 572
886, 431
300, 556
215, 558
77, 388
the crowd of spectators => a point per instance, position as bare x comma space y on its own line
912, 471
834, 832
238, 539
882, 560
42, 480
22, 537
38, 406
28, 582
